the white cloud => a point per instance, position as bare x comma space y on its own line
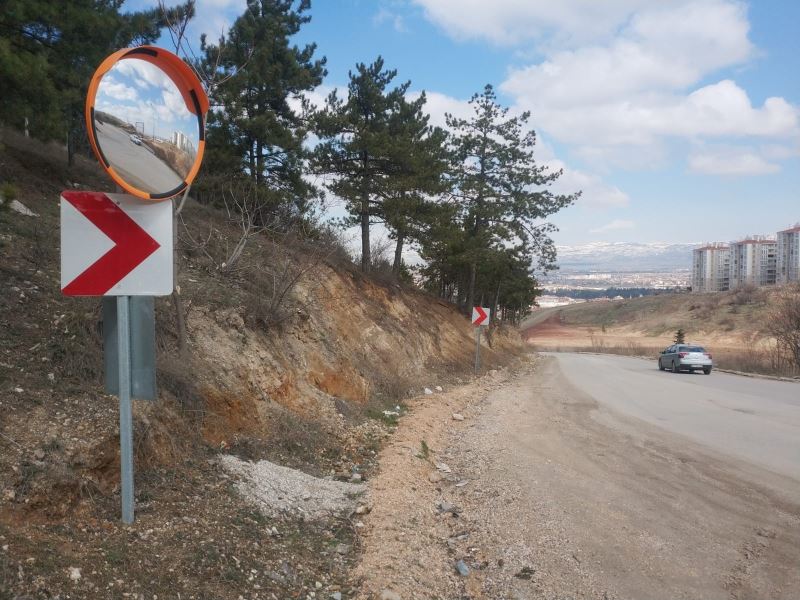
730, 161
629, 92
507, 22
596, 193
385, 15
614, 225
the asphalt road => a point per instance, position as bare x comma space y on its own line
757, 420
135, 163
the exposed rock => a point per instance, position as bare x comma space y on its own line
428, 391
74, 573
443, 467
438, 388
447, 507
343, 549
434, 477
458, 417
462, 568
390, 595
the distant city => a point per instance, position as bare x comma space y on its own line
602, 271
753, 261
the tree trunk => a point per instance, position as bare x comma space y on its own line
251, 158
496, 302
259, 162
365, 253
70, 147
398, 253
473, 270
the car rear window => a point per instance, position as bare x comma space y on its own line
693, 349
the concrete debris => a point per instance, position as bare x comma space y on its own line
19, 207
278, 490
74, 573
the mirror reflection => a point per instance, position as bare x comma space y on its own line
143, 127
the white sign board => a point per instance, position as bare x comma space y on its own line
115, 245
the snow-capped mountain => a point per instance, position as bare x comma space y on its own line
625, 256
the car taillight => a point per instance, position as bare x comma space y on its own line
707, 354
682, 354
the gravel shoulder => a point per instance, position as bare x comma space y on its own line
551, 496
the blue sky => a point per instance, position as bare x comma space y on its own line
678, 119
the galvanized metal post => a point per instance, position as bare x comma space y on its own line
125, 408
477, 349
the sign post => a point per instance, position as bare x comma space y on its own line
121, 246
480, 317
125, 408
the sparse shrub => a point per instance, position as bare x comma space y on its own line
747, 295
680, 336
784, 322
728, 324
8, 191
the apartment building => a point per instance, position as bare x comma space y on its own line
753, 261
711, 268
788, 255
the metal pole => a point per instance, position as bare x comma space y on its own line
477, 349
125, 409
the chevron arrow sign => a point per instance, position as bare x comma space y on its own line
115, 245
480, 315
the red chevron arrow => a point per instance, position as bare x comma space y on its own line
478, 315
132, 244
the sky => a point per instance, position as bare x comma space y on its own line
678, 120
139, 93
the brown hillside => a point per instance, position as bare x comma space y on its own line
732, 325
300, 375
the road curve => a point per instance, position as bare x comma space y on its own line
754, 419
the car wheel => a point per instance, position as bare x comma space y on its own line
674, 367
660, 366
707, 370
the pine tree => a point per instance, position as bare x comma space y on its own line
48, 52
356, 152
255, 127
680, 337
501, 190
419, 151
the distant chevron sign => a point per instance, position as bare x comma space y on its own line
115, 245
480, 315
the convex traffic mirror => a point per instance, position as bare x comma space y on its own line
145, 113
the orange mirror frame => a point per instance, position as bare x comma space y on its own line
193, 95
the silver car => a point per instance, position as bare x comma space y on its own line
685, 357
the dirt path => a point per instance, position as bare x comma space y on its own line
554, 502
